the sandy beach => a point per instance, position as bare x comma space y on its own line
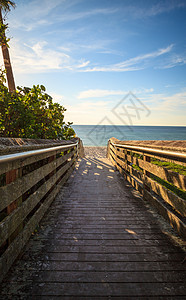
96, 152
100, 152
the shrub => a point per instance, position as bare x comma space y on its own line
31, 113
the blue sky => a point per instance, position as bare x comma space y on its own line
89, 54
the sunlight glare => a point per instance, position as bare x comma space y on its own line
131, 231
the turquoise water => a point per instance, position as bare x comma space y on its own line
98, 135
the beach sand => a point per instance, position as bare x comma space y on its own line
96, 152
101, 152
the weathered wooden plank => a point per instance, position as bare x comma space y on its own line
121, 154
133, 181
11, 192
174, 221
97, 276
129, 157
175, 178
16, 246
176, 202
164, 158
109, 267
113, 149
131, 171
110, 257
112, 158
104, 290
10, 223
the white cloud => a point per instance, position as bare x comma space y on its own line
172, 103
132, 64
144, 57
165, 109
39, 57
86, 112
173, 61
30, 14
139, 12
86, 14
97, 93
83, 64
57, 97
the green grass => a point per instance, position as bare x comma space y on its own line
170, 166
171, 187
137, 168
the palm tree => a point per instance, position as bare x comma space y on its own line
6, 5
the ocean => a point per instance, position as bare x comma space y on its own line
98, 135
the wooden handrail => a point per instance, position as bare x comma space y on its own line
144, 168
23, 155
153, 151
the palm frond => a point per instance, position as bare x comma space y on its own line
6, 5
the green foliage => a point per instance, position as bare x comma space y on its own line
137, 168
171, 187
31, 113
3, 39
169, 165
7, 4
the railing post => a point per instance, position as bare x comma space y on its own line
80, 149
11, 176
50, 159
108, 150
146, 158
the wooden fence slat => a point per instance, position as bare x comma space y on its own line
173, 220
10, 223
130, 169
9, 256
133, 181
175, 178
120, 154
21, 185
176, 202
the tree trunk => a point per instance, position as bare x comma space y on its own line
7, 64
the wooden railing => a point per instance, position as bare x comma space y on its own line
144, 168
29, 181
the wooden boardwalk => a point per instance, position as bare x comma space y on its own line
97, 241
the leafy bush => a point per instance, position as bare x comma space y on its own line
31, 113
